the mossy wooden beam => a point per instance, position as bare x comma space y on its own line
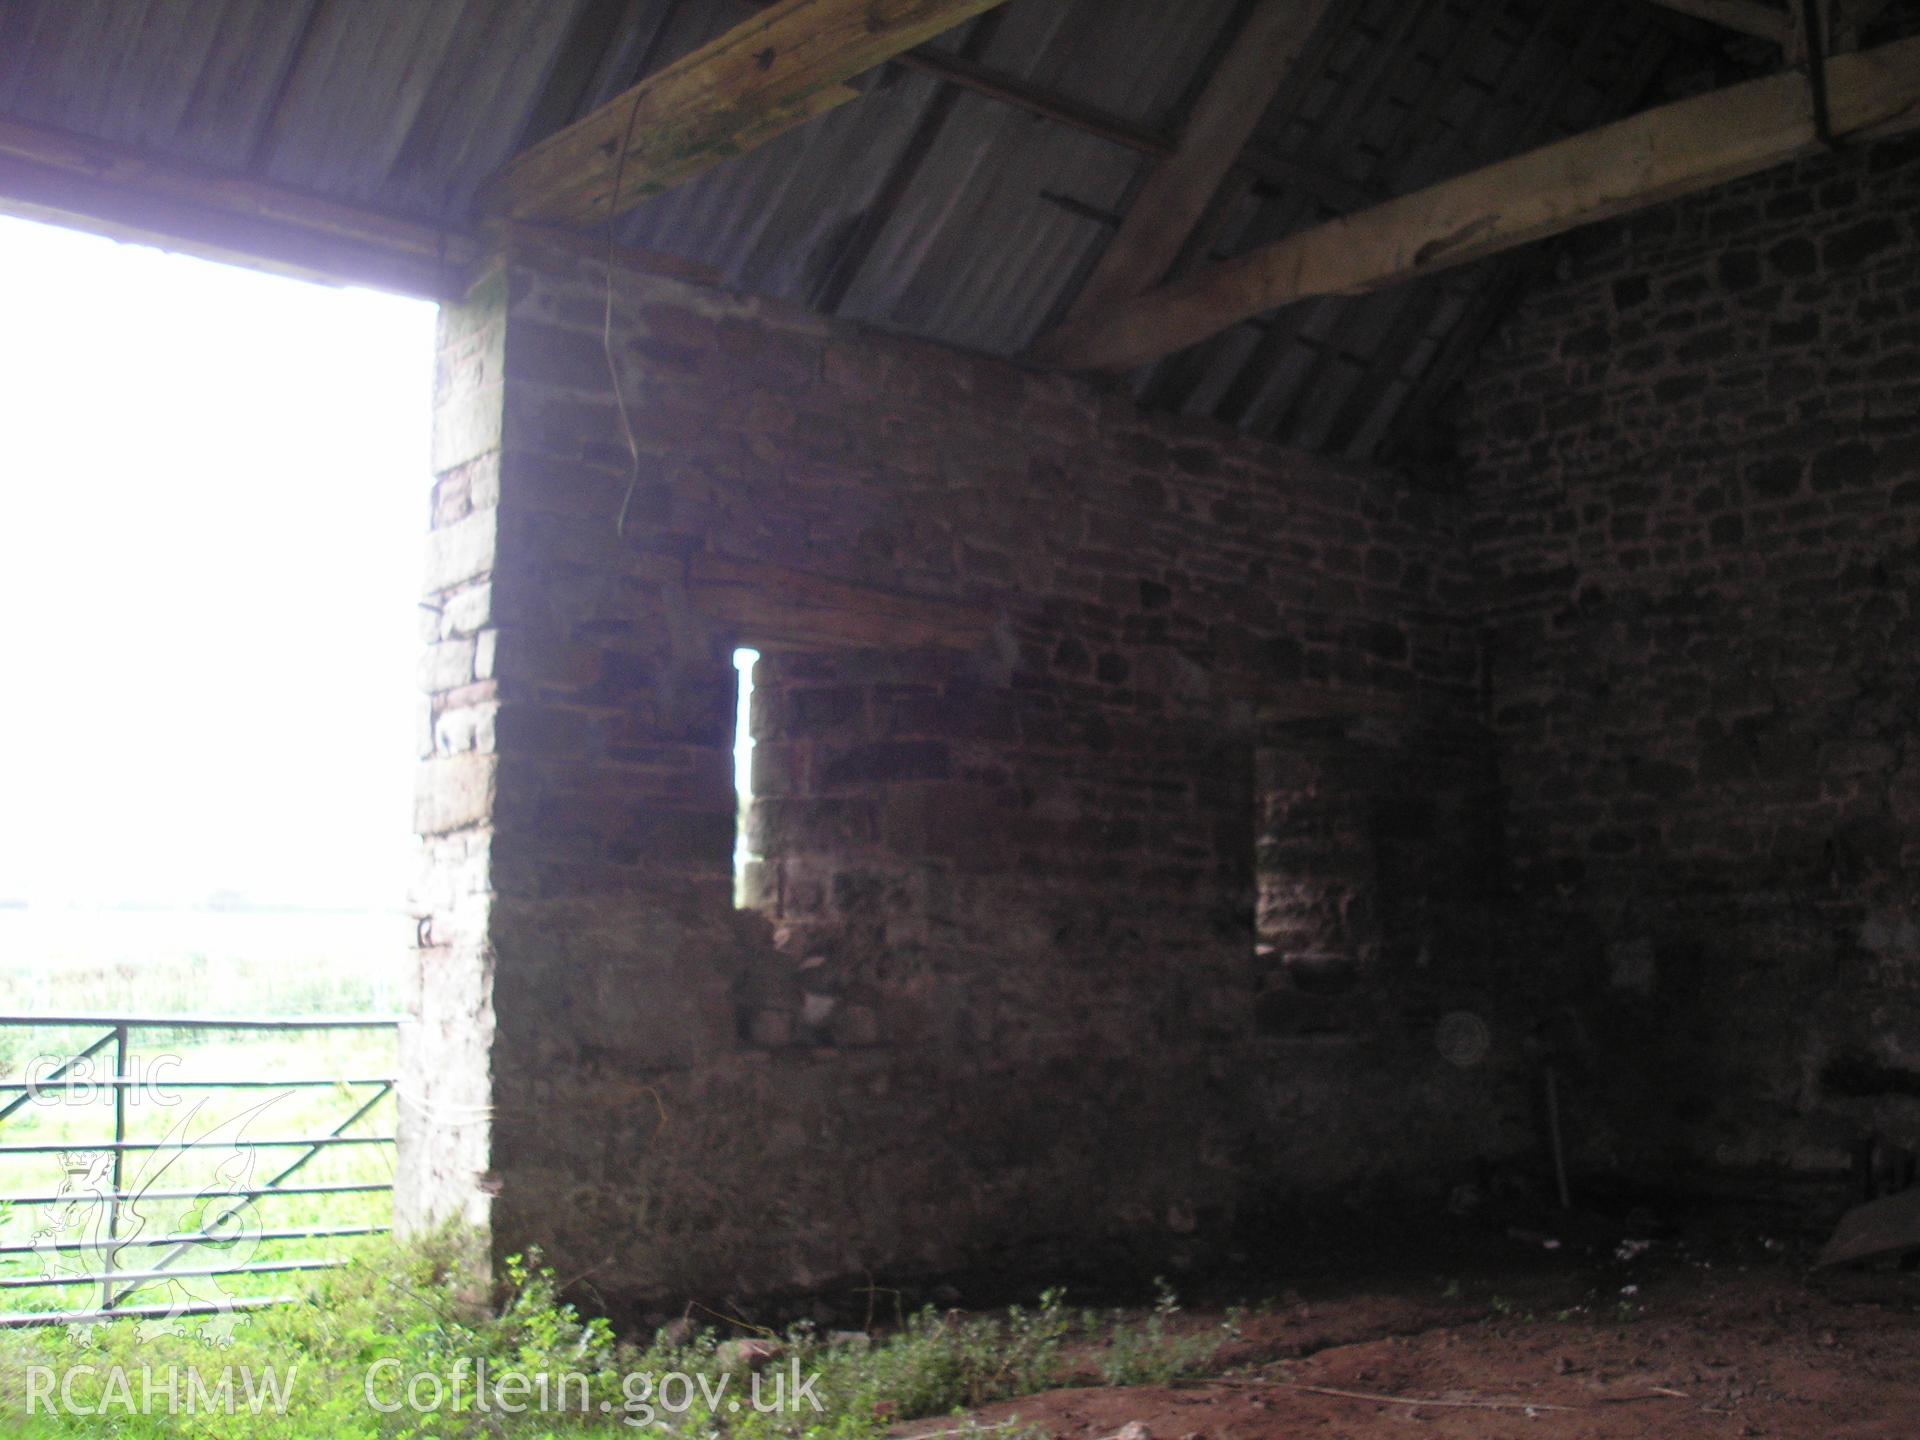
768, 74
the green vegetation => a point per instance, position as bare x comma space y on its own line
189, 962
199, 962
1155, 1351
352, 1346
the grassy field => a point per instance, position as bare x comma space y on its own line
154, 964
201, 961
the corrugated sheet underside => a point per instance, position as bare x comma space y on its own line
403, 106
917, 207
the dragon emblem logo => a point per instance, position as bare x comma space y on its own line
92, 1233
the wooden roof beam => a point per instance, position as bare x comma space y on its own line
766, 75
1177, 194
1657, 155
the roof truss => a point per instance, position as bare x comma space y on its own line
1180, 188
1654, 156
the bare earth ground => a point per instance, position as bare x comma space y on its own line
1552, 1347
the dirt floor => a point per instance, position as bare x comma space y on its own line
1669, 1340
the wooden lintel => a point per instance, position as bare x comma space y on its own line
782, 67
128, 194
1176, 195
1749, 17
1658, 155
778, 607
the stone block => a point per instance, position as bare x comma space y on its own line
462, 551
446, 666
453, 793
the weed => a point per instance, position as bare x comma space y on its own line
1149, 1352
398, 1311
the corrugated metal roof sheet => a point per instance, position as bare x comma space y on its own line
918, 206
191, 79
404, 106
970, 250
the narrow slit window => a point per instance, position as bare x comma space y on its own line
743, 662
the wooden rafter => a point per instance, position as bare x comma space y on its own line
129, 194
1393, 347
850, 258
1749, 17
1499, 287
1176, 195
1654, 156
1005, 88
776, 70
997, 85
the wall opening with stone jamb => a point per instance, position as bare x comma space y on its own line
1371, 854
1314, 878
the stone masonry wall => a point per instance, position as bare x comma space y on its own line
997, 999
1694, 458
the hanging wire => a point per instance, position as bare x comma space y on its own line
606, 327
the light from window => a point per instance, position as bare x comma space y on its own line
743, 661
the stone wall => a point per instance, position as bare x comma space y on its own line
997, 1000
1694, 462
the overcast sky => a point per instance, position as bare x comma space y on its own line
215, 488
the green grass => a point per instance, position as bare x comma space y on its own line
399, 1311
